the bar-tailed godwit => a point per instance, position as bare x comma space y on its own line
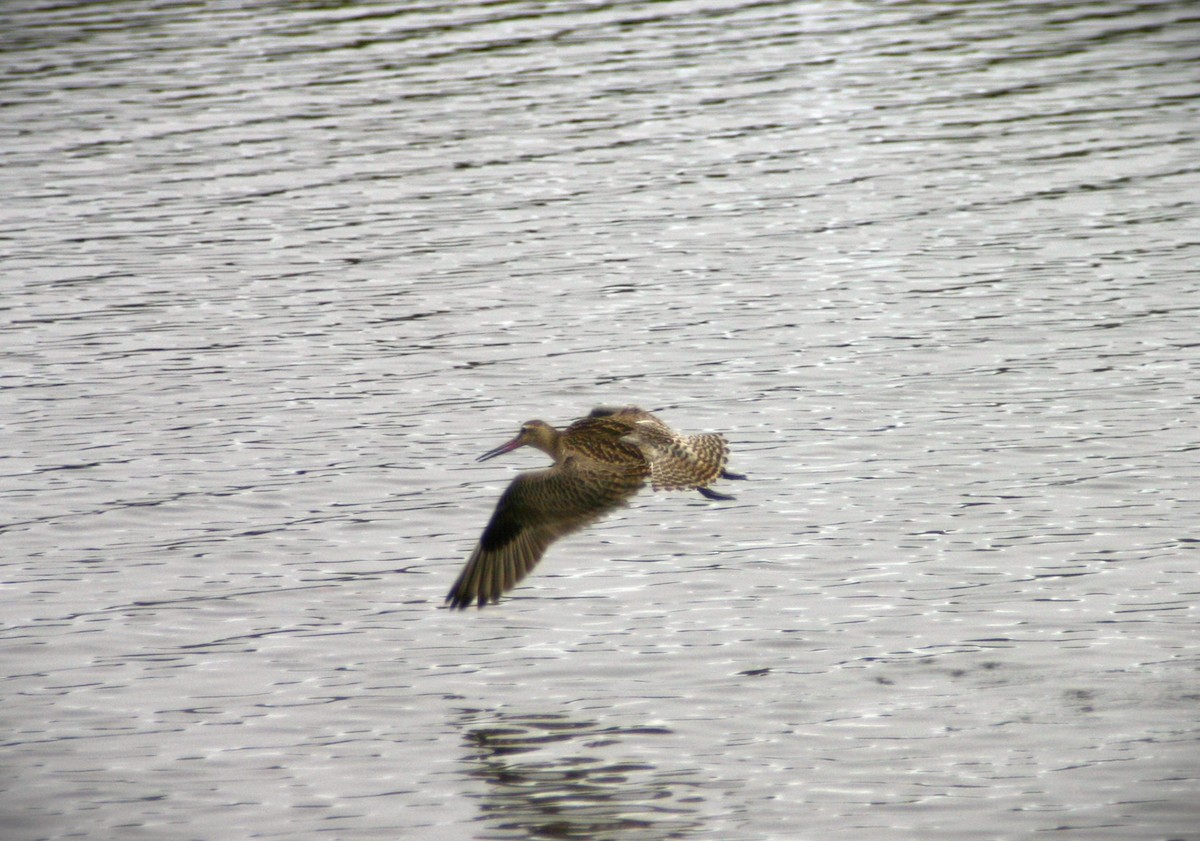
600, 462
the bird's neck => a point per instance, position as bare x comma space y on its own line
550, 442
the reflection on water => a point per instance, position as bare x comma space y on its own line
551, 776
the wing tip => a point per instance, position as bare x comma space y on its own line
456, 600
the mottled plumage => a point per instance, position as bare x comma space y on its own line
600, 462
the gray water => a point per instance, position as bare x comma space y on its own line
274, 274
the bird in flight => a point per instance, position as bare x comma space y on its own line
600, 462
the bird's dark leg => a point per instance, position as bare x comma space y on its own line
711, 494
725, 474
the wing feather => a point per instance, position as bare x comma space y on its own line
535, 510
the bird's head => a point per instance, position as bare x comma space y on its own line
535, 433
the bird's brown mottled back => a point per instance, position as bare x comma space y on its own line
602, 440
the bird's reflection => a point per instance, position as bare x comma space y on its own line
550, 776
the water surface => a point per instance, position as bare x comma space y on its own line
274, 274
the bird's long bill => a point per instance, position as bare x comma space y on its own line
502, 449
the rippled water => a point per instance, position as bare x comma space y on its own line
275, 273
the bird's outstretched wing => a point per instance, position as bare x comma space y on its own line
677, 462
536, 509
